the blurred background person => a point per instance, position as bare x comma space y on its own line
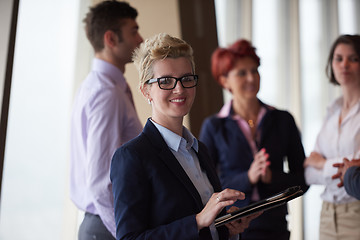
250, 141
164, 184
104, 116
338, 138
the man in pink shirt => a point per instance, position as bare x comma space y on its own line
104, 115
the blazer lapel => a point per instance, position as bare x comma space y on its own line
169, 159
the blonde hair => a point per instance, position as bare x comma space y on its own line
156, 48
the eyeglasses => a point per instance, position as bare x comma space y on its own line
168, 83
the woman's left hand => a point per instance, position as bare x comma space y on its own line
238, 226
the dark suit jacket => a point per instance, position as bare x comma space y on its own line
352, 181
153, 196
233, 156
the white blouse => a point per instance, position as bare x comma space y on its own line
336, 142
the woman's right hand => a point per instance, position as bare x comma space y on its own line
215, 204
258, 167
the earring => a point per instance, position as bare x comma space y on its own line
149, 101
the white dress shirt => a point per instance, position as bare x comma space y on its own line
336, 142
103, 118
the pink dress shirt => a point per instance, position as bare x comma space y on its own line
103, 118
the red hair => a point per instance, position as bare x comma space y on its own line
224, 59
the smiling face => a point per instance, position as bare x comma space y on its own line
170, 105
346, 66
243, 80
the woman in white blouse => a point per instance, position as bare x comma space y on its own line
339, 137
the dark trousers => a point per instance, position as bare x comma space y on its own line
93, 228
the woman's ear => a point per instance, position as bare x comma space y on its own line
145, 91
223, 81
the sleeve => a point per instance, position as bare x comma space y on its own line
133, 198
352, 181
324, 176
313, 175
295, 157
105, 127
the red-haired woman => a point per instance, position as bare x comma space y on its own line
250, 141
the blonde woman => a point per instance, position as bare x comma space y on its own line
163, 182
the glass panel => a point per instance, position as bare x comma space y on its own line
34, 183
347, 22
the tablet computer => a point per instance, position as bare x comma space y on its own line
262, 205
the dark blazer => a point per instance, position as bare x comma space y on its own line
233, 156
352, 181
153, 196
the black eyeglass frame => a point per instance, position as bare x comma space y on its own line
180, 79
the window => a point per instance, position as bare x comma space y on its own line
34, 189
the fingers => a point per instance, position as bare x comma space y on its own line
255, 215
355, 162
315, 160
236, 227
215, 204
340, 172
261, 156
229, 194
338, 165
337, 175
309, 161
306, 162
232, 209
267, 164
259, 166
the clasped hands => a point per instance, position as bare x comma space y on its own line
317, 161
342, 168
259, 168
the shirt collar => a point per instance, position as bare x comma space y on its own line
337, 104
109, 70
173, 140
227, 110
